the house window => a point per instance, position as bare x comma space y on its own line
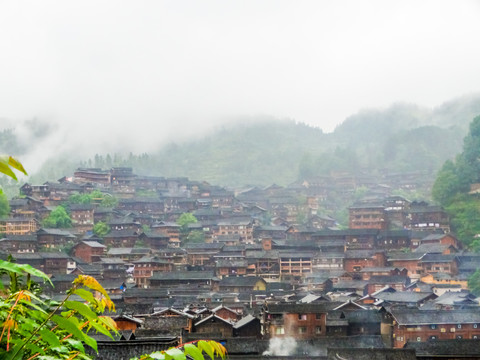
459, 337
279, 330
433, 327
318, 330
302, 329
419, 338
475, 326
433, 337
302, 316
319, 317
459, 326
474, 337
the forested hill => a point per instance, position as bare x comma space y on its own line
401, 138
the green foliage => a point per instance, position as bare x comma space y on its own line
8, 164
37, 327
195, 351
58, 218
4, 205
109, 201
464, 213
96, 196
184, 220
453, 184
474, 283
101, 229
195, 236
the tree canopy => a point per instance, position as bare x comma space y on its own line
58, 218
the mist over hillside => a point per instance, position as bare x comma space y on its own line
260, 150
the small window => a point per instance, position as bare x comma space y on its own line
419, 338
319, 317
459, 326
433, 337
459, 337
475, 326
318, 330
433, 326
474, 337
302, 316
279, 330
302, 329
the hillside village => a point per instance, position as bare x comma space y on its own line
255, 264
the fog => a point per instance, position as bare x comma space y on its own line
132, 75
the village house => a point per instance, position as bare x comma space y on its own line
145, 266
19, 244
249, 326
95, 176
367, 216
243, 228
18, 226
89, 251
168, 321
121, 238
170, 229
214, 326
142, 205
295, 263
82, 216
230, 267
54, 238
242, 284
426, 217
26, 207
408, 325
300, 321
202, 254
128, 254
409, 261
440, 239
113, 269
439, 263
356, 260
192, 279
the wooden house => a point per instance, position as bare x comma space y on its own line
54, 238
18, 226
82, 217
301, 321
410, 325
19, 243
89, 251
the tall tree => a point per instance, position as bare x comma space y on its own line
4, 205
58, 218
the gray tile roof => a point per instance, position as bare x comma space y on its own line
428, 317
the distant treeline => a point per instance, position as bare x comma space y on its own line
401, 138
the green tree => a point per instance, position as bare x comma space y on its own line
109, 201
34, 326
195, 236
58, 218
101, 229
194, 350
184, 220
474, 283
4, 205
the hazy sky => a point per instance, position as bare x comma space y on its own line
145, 71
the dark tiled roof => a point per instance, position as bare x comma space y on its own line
240, 281
183, 275
427, 317
437, 348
